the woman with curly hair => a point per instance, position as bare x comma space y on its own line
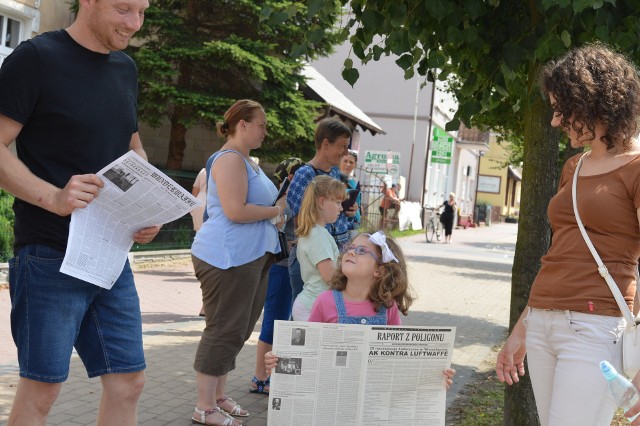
572, 321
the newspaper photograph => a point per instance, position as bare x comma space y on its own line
135, 195
349, 374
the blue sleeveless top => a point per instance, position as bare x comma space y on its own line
225, 244
379, 319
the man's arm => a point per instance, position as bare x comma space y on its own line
136, 146
18, 180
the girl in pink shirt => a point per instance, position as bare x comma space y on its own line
370, 287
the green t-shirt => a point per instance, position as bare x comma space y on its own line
313, 249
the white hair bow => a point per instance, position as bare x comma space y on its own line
380, 240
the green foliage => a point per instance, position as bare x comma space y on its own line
196, 57
485, 49
6, 225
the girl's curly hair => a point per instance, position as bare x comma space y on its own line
392, 285
593, 84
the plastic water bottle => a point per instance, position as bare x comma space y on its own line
624, 393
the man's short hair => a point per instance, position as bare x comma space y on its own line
330, 129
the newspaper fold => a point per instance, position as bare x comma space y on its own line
343, 374
135, 195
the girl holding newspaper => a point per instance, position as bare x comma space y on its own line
371, 287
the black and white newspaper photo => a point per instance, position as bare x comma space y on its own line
359, 375
135, 195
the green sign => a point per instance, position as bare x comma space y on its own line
382, 163
441, 147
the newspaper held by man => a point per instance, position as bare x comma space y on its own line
344, 374
135, 195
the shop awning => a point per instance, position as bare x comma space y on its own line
515, 174
321, 89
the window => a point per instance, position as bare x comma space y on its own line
10, 35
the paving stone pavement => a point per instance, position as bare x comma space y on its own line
465, 284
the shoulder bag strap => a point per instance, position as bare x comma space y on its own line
602, 269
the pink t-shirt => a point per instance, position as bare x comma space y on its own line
324, 310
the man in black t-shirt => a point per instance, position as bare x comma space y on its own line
68, 98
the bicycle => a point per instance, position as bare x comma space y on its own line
433, 226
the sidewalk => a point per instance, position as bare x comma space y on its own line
465, 284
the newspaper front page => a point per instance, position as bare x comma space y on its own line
135, 195
343, 374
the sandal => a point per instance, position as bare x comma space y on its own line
260, 385
202, 420
235, 411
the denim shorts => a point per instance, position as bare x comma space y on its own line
52, 312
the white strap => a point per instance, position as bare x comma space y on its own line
602, 270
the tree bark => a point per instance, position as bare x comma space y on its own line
178, 134
539, 182
177, 141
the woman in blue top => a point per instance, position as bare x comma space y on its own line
232, 254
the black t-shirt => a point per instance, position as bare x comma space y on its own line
78, 110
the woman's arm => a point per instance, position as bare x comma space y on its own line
230, 175
510, 362
636, 380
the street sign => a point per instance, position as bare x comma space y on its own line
441, 147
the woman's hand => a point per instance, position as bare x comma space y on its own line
448, 377
510, 361
270, 362
636, 408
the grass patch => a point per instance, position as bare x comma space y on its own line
397, 234
481, 403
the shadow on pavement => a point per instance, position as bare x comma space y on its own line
163, 273
166, 318
472, 265
469, 331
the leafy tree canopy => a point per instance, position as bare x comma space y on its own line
196, 57
487, 50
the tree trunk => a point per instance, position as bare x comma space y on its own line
539, 182
178, 135
177, 141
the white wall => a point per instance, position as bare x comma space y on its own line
390, 100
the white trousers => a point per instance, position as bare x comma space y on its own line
564, 349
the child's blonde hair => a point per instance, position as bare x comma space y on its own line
391, 285
320, 186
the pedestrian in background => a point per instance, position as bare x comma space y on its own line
197, 215
68, 98
347, 167
232, 254
199, 191
447, 217
277, 305
572, 321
